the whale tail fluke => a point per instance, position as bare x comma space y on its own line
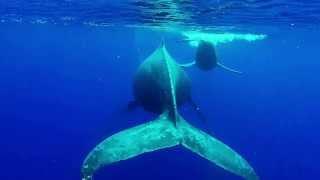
215, 151
164, 133
158, 134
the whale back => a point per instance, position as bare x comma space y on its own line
160, 84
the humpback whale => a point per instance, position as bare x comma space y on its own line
206, 58
160, 86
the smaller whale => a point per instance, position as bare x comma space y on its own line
206, 58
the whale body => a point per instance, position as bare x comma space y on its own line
160, 86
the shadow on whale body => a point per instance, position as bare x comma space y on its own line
160, 86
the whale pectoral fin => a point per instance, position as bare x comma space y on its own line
215, 151
158, 134
186, 65
228, 69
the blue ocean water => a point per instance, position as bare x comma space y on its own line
66, 71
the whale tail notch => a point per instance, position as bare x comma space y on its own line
164, 133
